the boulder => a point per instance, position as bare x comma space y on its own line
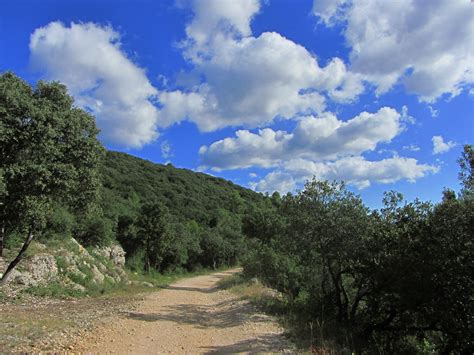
42, 268
22, 279
114, 253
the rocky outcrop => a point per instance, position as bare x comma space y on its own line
42, 268
71, 265
114, 253
98, 277
36, 270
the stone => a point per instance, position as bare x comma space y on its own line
42, 268
98, 277
102, 268
22, 278
77, 287
114, 253
81, 249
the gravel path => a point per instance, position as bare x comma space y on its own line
189, 316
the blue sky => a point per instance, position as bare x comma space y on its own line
265, 93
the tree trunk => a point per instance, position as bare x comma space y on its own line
14, 263
2, 238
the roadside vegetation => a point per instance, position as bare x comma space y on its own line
398, 280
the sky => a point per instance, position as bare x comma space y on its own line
265, 93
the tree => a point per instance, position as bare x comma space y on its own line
466, 175
49, 153
2, 193
154, 234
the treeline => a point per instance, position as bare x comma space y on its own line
398, 280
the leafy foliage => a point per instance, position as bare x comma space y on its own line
49, 155
395, 279
201, 215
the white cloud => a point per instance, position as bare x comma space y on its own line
316, 138
434, 113
216, 16
329, 11
425, 44
166, 150
440, 146
354, 170
275, 181
411, 148
89, 60
250, 81
405, 116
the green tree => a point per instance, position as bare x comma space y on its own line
154, 234
48, 153
3, 191
466, 175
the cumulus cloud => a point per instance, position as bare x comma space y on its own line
440, 146
88, 58
217, 16
317, 138
329, 11
423, 44
246, 80
275, 181
356, 171
321, 146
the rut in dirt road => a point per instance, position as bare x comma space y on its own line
189, 316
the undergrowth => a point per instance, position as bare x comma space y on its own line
306, 336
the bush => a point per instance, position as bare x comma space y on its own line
95, 231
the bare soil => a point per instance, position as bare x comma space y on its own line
189, 316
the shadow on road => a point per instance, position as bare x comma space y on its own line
263, 344
192, 289
220, 315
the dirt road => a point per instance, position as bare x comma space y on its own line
189, 316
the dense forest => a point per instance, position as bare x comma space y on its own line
200, 215
397, 280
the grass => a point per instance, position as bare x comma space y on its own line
17, 327
54, 290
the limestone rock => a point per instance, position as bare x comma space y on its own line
97, 275
81, 249
77, 287
102, 268
114, 253
22, 278
42, 268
